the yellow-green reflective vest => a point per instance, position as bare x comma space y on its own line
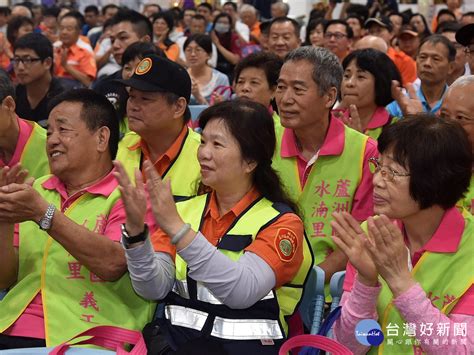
74, 299
330, 187
34, 157
376, 132
445, 276
184, 171
468, 201
193, 301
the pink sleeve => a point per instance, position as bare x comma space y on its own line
117, 217
357, 305
363, 205
415, 307
351, 273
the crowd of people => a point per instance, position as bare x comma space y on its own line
345, 143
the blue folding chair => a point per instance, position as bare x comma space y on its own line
312, 305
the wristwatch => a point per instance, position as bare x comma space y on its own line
128, 239
46, 221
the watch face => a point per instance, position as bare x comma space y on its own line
45, 223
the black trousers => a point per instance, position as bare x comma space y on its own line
13, 342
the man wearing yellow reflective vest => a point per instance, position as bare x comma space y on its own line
21, 141
322, 163
65, 268
157, 111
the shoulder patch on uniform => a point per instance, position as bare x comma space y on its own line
286, 244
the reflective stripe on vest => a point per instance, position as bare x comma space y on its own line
34, 157
74, 299
257, 216
184, 171
431, 272
225, 328
330, 187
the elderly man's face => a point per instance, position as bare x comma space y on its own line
282, 38
459, 106
298, 97
70, 145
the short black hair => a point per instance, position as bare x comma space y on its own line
269, 62
381, 67
360, 10
38, 43
97, 112
206, 5
469, 13
92, 8
448, 26
313, 23
5, 11
295, 24
435, 39
202, 40
233, 4
141, 25
74, 14
445, 12
109, 6
6, 86
14, 25
140, 50
349, 31
357, 17
437, 154
52, 11
198, 17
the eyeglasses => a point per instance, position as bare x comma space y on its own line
387, 173
336, 35
25, 60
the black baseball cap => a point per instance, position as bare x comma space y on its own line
155, 73
382, 22
465, 34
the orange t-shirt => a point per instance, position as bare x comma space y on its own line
405, 64
164, 161
265, 244
172, 52
78, 57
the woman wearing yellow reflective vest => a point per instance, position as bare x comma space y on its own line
229, 265
366, 90
411, 267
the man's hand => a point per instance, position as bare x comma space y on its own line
20, 203
410, 104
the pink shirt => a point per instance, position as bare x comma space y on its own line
379, 119
362, 204
31, 322
25, 130
359, 301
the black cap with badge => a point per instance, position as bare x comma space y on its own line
155, 73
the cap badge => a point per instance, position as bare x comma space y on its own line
144, 66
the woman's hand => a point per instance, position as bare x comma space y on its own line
14, 175
353, 119
351, 239
215, 39
133, 197
197, 93
389, 253
162, 201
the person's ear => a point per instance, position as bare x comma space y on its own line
180, 107
250, 166
103, 137
9, 104
331, 97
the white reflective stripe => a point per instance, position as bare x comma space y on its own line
246, 329
186, 317
225, 328
203, 293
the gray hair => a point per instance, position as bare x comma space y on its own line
283, 7
6, 86
327, 71
247, 7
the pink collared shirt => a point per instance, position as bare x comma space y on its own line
379, 119
24, 134
31, 322
362, 205
359, 301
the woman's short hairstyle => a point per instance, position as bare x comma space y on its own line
313, 23
202, 40
270, 63
437, 154
381, 67
221, 15
140, 50
252, 126
14, 25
